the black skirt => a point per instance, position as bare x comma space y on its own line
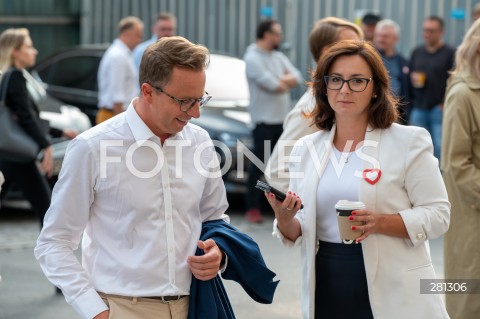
341, 284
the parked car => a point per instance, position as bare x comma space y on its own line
70, 75
60, 115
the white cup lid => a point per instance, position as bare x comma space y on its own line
349, 205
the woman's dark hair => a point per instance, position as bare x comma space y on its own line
382, 111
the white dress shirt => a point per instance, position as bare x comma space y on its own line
117, 76
140, 207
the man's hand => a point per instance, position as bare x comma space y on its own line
206, 267
289, 79
102, 315
282, 87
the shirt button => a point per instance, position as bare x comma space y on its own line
420, 236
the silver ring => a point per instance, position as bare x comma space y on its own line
289, 208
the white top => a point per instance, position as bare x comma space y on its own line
338, 182
117, 76
140, 219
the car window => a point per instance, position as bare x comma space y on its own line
73, 72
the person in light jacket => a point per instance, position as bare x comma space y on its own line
460, 163
361, 154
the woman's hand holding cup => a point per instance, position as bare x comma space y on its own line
369, 223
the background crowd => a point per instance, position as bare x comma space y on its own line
436, 87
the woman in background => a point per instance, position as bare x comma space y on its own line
16, 54
460, 162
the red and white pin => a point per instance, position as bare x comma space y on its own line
372, 175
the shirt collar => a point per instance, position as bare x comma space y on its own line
120, 44
140, 131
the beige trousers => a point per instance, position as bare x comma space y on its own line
144, 308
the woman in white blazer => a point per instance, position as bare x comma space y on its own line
360, 154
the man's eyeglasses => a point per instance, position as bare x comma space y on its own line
354, 84
185, 104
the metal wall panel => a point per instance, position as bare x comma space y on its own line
51, 23
228, 26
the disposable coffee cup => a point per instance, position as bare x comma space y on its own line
344, 209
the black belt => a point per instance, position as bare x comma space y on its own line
166, 298
160, 298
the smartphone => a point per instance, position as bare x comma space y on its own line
270, 189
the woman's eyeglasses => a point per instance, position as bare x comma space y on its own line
354, 84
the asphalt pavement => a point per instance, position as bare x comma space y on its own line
25, 293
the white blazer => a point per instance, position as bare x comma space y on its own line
410, 184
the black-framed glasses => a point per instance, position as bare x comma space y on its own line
185, 104
354, 84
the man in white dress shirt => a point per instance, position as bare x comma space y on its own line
117, 74
165, 26
138, 188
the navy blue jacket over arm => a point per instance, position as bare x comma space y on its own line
208, 299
